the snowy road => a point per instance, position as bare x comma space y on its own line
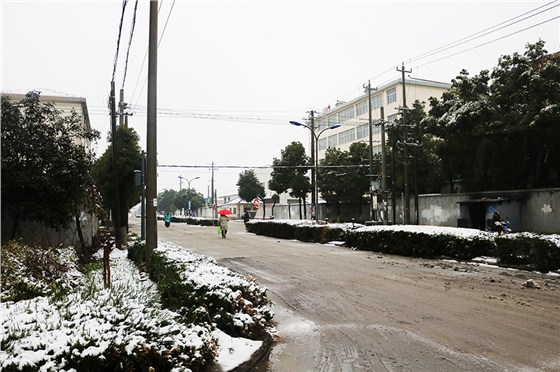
343, 310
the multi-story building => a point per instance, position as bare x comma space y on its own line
353, 116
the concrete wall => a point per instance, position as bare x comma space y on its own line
541, 211
34, 233
526, 210
440, 210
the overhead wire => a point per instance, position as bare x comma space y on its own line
159, 42
119, 40
488, 42
129, 43
142, 66
472, 37
484, 32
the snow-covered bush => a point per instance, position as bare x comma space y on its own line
542, 252
198, 288
428, 242
94, 328
201, 221
304, 230
29, 271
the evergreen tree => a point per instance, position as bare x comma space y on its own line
249, 186
45, 166
289, 173
128, 160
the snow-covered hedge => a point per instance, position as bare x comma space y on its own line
199, 289
539, 251
202, 221
303, 230
92, 328
534, 251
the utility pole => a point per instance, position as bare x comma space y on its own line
405, 151
117, 207
212, 200
370, 175
383, 164
151, 148
143, 205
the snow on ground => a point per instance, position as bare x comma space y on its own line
234, 351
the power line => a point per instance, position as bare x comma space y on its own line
488, 42
460, 41
482, 33
129, 43
119, 39
261, 166
159, 42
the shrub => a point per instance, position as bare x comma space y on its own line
533, 250
29, 271
235, 304
200, 221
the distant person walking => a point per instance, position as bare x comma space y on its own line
223, 223
167, 219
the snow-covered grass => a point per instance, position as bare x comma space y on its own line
124, 327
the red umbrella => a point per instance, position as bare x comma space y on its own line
225, 211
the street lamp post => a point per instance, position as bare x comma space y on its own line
192, 179
316, 160
189, 193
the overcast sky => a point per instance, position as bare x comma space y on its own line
248, 67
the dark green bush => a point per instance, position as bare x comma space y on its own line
272, 229
531, 250
194, 220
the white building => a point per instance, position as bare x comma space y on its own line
353, 116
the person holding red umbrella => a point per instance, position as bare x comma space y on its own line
223, 221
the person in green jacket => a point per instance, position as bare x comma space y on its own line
167, 219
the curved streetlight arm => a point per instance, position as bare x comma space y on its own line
327, 128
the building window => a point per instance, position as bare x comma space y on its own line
361, 108
332, 120
321, 124
347, 136
376, 149
377, 101
392, 119
362, 131
332, 140
392, 95
322, 144
346, 114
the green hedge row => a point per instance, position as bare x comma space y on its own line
532, 251
413, 244
200, 221
304, 232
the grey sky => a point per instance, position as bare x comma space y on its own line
256, 64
